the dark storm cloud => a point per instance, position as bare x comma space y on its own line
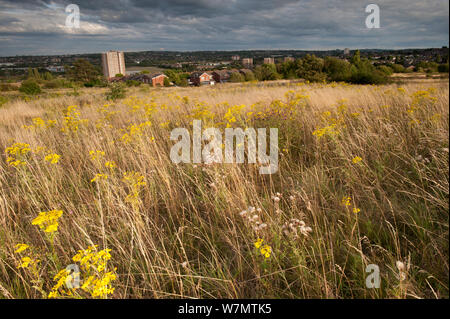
37, 27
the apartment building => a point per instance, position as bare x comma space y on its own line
113, 63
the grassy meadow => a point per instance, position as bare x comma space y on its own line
363, 179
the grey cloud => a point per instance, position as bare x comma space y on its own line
221, 24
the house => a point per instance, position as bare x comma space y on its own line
269, 61
201, 78
155, 79
221, 76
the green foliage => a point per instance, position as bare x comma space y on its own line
30, 87
266, 72
47, 76
443, 68
130, 83
3, 100
5, 87
236, 77
116, 91
287, 69
429, 67
57, 84
33, 73
82, 71
356, 57
337, 69
386, 70
365, 73
249, 76
166, 82
398, 68
310, 68
177, 77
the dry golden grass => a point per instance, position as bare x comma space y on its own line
180, 233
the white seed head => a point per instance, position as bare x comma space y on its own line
400, 266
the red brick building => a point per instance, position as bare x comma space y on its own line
221, 76
156, 79
201, 78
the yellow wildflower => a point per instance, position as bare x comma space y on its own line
48, 221
266, 250
99, 177
346, 200
52, 158
258, 243
21, 247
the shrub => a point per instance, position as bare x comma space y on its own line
443, 68
4, 87
311, 68
398, 68
3, 100
30, 87
386, 70
166, 82
116, 91
236, 77
337, 69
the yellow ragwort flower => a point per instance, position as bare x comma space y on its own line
258, 243
21, 247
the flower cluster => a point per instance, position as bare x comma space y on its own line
135, 181
72, 119
94, 263
39, 123
134, 131
265, 250
48, 221
97, 279
52, 158
252, 218
347, 202
296, 226
16, 154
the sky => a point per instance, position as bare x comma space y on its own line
39, 27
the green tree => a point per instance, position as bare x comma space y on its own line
337, 69
48, 76
356, 57
386, 70
166, 82
365, 73
82, 71
249, 76
287, 69
398, 68
266, 72
236, 77
310, 68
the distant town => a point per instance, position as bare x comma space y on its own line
169, 68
